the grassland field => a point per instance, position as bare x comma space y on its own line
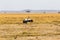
44, 26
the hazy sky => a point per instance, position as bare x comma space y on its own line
30, 4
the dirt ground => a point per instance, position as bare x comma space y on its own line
29, 32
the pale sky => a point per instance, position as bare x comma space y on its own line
30, 4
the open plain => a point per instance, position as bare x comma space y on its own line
44, 26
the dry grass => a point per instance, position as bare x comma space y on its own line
38, 18
44, 27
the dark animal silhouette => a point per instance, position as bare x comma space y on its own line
28, 20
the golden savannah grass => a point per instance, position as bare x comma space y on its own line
38, 18
44, 26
